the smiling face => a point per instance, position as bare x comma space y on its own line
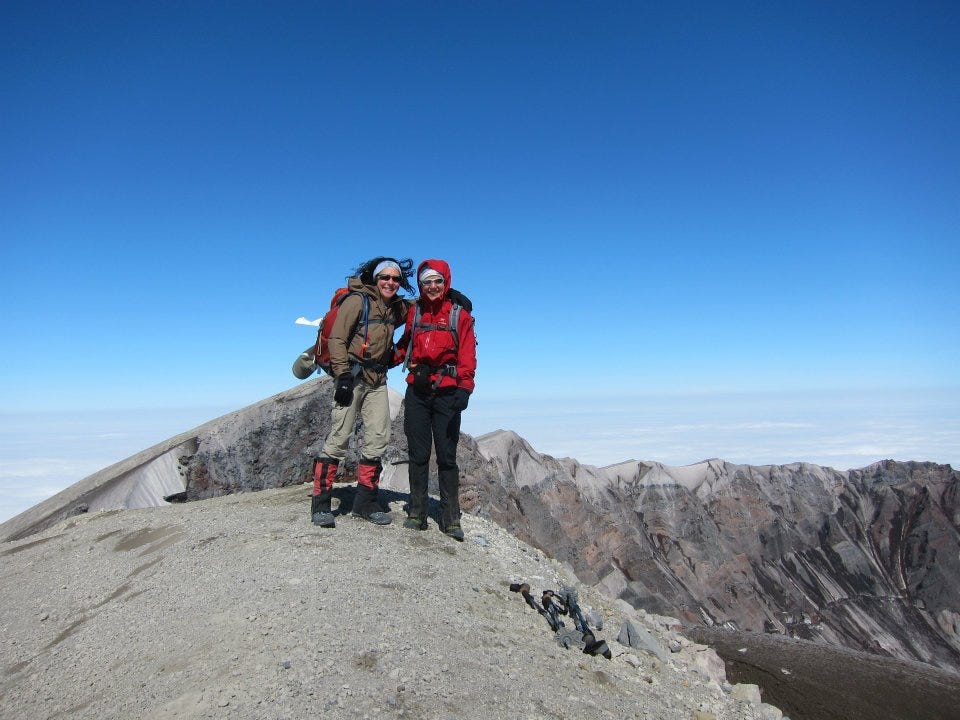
388, 282
432, 287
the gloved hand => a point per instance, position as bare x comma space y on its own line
343, 395
460, 399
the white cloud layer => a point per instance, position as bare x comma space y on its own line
41, 454
842, 430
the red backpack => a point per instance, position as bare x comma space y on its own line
318, 356
321, 349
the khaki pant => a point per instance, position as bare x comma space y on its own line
373, 406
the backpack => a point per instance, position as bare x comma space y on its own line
321, 349
459, 301
319, 354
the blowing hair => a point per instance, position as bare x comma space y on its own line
365, 272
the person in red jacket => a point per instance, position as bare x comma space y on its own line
441, 356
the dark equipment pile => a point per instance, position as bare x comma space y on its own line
552, 605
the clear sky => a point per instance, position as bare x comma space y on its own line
710, 200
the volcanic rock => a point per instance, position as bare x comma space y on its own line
863, 560
866, 559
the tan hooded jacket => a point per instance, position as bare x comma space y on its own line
347, 336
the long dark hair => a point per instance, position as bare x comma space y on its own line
365, 272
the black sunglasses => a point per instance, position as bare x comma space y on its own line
389, 278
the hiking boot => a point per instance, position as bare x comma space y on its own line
324, 519
320, 513
324, 472
419, 501
449, 498
377, 517
455, 531
365, 501
415, 523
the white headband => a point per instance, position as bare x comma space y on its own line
429, 272
384, 265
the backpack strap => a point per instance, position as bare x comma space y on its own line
366, 324
356, 363
454, 325
413, 330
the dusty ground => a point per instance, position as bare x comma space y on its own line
238, 607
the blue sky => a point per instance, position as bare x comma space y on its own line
650, 208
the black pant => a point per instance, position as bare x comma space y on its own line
430, 420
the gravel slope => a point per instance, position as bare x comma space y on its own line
811, 681
237, 607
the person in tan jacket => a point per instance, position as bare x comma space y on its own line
361, 351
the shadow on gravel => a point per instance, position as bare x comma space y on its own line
813, 681
385, 498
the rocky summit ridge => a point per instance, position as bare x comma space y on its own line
759, 557
237, 607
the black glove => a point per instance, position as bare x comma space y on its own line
344, 392
460, 399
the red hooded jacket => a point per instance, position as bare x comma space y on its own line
435, 347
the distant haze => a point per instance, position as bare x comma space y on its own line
839, 429
42, 453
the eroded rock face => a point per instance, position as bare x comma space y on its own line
867, 559
272, 443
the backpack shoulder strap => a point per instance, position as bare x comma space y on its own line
364, 313
454, 323
413, 331
363, 319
